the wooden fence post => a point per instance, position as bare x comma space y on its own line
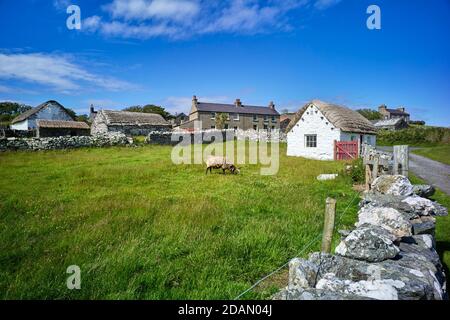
328, 226
401, 160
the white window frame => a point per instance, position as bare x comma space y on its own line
255, 117
236, 116
311, 143
213, 116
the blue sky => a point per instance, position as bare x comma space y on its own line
164, 51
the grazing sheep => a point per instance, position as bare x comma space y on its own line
220, 163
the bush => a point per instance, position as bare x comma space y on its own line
357, 171
418, 135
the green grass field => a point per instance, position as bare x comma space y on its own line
438, 153
141, 227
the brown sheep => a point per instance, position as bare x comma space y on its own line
216, 162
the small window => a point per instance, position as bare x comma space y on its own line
255, 127
266, 118
273, 119
255, 117
311, 140
236, 116
213, 115
226, 126
213, 127
265, 127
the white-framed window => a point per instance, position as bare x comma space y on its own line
236, 116
273, 119
213, 115
311, 140
266, 118
255, 117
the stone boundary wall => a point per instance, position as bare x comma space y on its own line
64, 142
390, 255
204, 136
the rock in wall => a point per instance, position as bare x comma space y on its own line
390, 255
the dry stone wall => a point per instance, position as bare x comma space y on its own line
390, 255
64, 142
165, 138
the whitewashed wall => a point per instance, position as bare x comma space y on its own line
313, 122
22, 125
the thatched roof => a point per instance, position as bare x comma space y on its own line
29, 113
133, 118
62, 124
341, 117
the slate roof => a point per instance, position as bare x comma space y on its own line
397, 112
29, 113
133, 118
62, 124
341, 117
388, 122
231, 108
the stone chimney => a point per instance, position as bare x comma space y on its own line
194, 102
92, 113
238, 103
402, 109
271, 105
382, 108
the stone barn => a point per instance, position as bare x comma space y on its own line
318, 126
50, 110
57, 128
129, 123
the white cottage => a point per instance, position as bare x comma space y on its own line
315, 128
50, 110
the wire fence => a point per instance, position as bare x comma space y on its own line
306, 247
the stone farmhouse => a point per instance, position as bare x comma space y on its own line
49, 119
129, 123
317, 126
393, 113
240, 116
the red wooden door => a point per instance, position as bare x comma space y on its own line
346, 150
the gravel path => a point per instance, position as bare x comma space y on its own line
433, 172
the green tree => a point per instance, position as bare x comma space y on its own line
370, 114
10, 110
221, 119
83, 118
150, 108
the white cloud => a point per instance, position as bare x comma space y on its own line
61, 4
58, 72
143, 19
324, 4
177, 10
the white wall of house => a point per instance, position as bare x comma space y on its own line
22, 125
313, 122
